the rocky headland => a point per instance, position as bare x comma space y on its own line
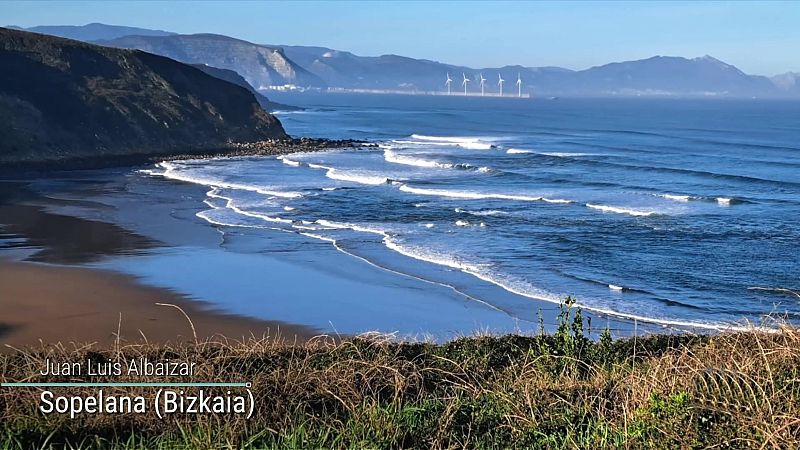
68, 104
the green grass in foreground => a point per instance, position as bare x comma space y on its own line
734, 390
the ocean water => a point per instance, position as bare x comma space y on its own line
682, 213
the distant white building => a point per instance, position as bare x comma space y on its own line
282, 88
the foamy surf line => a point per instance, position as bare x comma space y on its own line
722, 201
478, 272
290, 162
393, 157
336, 246
468, 142
171, 172
620, 210
470, 195
231, 204
408, 160
360, 178
552, 298
481, 272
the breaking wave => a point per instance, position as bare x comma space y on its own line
171, 171
352, 176
470, 195
472, 143
620, 210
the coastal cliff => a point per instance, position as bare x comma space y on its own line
64, 101
232, 77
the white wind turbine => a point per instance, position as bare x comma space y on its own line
448, 82
519, 85
483, 85
500, 82
466, 80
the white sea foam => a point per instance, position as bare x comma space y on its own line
173, 172
206, 215
462, 223
515, 151
724, 201
619, 210
320, 237
472, 143
289, 162
396, 158
677, 198
288, 208
490, 212
355, 177
614, 287
393, 157
563, 154
469, 195
231, 204
335, 174
352, 226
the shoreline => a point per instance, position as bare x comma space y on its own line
45, 303
238, 149
122, 238
105, 220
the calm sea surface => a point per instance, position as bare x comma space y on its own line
673, 212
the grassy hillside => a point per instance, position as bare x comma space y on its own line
738, 390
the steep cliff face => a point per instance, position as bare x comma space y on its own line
63, 100
260, 65
232, 77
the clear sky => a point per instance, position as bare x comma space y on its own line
758, 37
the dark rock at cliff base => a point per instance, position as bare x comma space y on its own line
63, 100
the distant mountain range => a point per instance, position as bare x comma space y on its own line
92, 31
264, 66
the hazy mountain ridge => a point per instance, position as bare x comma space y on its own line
321, 67
260, 65
92, 31
656, 76
63, 100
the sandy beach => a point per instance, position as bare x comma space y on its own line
55, 304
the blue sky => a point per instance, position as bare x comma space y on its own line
758, 37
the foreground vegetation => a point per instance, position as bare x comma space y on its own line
738, 390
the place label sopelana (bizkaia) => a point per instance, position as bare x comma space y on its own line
165, 402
